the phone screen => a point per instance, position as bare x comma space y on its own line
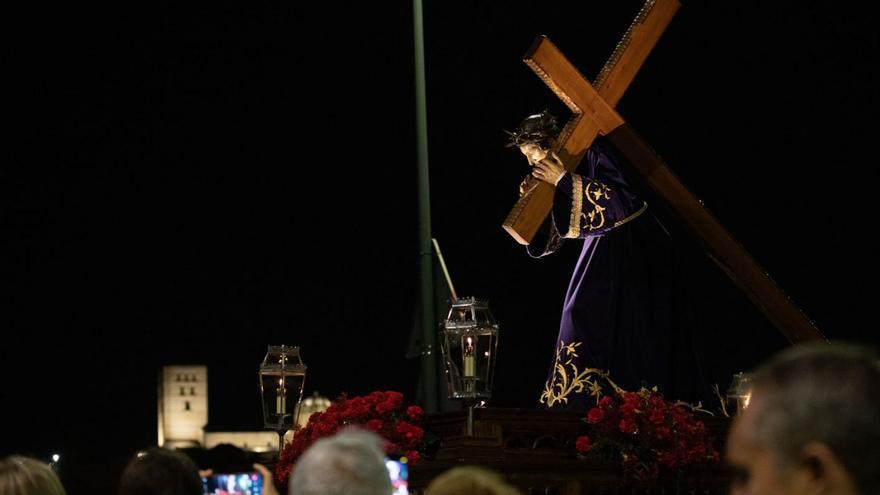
399, 473
250, 483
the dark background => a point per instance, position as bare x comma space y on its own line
188, 184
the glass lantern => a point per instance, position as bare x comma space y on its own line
469, 342
282, 377
739, 393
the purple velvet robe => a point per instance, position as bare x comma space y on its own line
626, 310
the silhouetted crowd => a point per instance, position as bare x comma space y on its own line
812, 427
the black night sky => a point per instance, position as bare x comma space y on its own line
191, 183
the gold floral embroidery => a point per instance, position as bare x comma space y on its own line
574, 224
567, 379
594, 192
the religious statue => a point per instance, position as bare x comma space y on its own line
626, 310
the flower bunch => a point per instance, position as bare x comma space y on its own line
646, 434
384, 413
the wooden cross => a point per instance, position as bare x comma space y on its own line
595, 114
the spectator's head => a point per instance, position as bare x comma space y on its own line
26, 476
158, 471
227, 458
349, 463
812, 425
472, 480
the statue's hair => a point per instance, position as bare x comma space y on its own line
539, 129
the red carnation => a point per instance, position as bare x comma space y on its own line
627, 425
413, 456
394, 398
656, 416
374, 424
630, 404
411, 432
583, 444
415, 413
384, 407
662, 432
595, 415
665, 435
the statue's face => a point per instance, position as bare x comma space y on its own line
533, 152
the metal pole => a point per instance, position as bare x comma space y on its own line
429, 366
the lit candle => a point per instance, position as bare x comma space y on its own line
280, 399
470, 365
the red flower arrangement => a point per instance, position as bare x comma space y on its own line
646, 434
384, 413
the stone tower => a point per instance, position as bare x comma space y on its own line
183, 405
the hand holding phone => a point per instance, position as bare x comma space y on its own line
242, 483
399, 473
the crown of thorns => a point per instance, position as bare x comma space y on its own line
539, 128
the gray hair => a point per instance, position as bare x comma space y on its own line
349, 463
822, 392
26, 476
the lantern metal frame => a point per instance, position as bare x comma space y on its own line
469, 347
283, 365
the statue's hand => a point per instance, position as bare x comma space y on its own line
549, 170
527, 185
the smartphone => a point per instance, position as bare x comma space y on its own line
399, 474
245, 483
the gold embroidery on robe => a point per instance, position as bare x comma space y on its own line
567, 379
574, 222
631, 217
594, 192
